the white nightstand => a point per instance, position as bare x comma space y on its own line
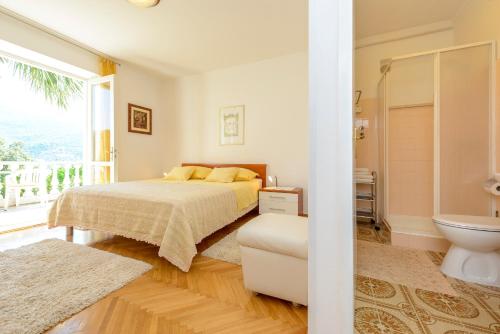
288, 201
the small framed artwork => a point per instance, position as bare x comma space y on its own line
140, 119
232, 125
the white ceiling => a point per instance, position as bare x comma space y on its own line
374, 17
178, 36
188, 36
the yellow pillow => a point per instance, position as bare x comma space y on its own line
180, 173
245, 175
225, 175
200, 172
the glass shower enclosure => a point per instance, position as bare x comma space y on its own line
436, 136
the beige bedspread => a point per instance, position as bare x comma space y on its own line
173, 215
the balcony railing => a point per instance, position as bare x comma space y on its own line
59, 175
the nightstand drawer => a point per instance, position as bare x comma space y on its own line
285, 207
278, 197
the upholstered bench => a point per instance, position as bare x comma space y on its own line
274, 256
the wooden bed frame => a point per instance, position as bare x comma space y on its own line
260, 169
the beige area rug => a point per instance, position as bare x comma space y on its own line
44, 283
226, 250
400, 265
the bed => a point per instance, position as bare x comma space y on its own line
174, 215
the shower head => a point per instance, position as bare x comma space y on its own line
385, 65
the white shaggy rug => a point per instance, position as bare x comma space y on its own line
226, 249
44, 283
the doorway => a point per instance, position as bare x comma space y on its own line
56, 132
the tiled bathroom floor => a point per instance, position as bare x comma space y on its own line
387, 308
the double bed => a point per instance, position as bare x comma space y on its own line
174, 215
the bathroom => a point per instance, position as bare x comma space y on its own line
427, 118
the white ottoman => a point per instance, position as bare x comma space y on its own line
274, 256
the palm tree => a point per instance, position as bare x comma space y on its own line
57, 89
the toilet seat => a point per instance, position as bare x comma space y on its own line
478, 223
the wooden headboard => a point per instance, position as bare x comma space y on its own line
260, 169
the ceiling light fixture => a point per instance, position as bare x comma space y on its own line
144, 3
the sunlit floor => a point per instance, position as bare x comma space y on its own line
39, 233
167, 300
382, 307
23, 216
386, 307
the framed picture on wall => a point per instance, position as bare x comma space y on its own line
140, 119
232, 125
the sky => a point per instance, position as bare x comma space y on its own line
48, 132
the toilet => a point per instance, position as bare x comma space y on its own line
475, 252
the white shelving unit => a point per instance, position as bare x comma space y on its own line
369, 212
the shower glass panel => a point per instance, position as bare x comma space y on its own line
410, 148
464, 125
380, 126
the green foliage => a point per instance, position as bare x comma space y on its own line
61, 174
57, 89
13, 152
2, 185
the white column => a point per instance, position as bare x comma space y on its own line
55, 181
77, 179
331, 223
67, 180
14, 167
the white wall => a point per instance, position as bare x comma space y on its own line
477, 21
139, 156
331, 223
188, 103
143, 156
367, 59
22, 34
275, 96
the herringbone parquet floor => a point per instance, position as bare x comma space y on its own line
210, 298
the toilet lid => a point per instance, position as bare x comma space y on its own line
481, 223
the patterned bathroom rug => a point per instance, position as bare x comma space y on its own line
400, 265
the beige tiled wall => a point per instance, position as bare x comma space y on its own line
410, 162
366, 149
411, 152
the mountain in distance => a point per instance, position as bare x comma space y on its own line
45, 137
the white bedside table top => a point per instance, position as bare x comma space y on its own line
293, 190
280, 188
